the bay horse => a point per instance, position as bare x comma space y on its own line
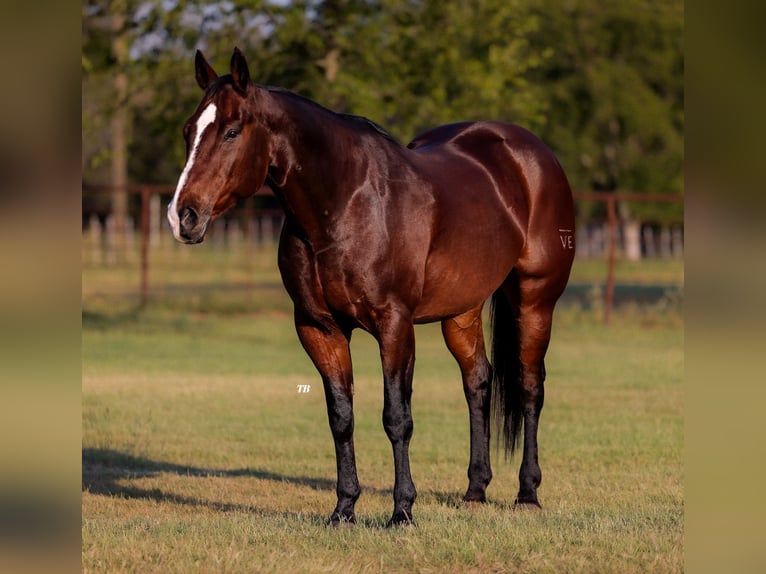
380, 237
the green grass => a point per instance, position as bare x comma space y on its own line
647, 271
200, 455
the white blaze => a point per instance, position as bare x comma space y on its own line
206, 118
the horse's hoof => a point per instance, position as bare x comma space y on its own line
400, 518
474, 499
337, 521
527, 507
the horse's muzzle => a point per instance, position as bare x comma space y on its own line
191, 226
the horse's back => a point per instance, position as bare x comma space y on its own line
504, 149
504, 201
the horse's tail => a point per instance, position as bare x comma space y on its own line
506, 367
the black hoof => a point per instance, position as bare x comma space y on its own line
401, 518
475, 497
339, 521
523, 505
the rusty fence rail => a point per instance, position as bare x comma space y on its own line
611, 200
148, 191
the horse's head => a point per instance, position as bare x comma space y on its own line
227, 149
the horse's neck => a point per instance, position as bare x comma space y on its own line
311, 171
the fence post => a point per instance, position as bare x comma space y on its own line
609, 292
632, 236
94, 229
155, 220
145, 232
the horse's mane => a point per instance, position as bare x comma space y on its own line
359, 121
369, 123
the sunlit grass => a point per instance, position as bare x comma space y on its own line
646, 271
199, 454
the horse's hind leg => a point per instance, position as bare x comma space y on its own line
465, 340
534, 299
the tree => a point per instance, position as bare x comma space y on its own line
112, 23
614, 87
601, 83
151, 58
414, 65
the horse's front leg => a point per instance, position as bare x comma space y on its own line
396, 337
328, 347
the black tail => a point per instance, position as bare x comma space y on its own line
506, 367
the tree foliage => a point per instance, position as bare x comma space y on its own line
601, 83
614, 87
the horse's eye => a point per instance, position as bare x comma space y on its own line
231, 134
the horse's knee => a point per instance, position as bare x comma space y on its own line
340, 411
342, 425
398, 426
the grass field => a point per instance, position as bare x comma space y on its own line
200, 455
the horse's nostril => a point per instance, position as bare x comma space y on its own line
189, 218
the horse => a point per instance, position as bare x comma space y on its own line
381, 237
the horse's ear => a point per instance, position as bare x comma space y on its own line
239, 72
205, 74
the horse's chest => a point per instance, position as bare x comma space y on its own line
361, 285
349, 285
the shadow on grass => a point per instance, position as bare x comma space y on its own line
448, 499
104, 469
102, 321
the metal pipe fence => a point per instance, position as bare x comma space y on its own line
596, 238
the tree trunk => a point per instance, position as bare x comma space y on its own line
631, 230
119, 139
